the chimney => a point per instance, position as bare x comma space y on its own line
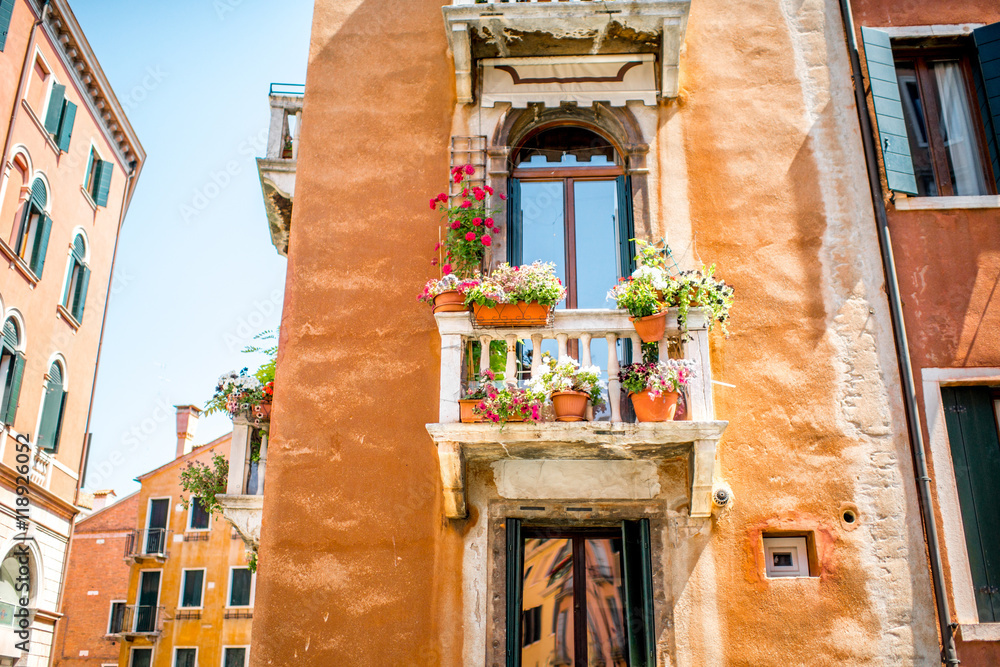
103, 498
187, 424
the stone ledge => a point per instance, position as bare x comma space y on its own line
979, 632
244, 514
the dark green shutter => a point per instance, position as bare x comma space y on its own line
41, 244
66, 126
638, 570
239, 595
975, 453
626, 244
515, 583
10, 337
39, 196
6, 10
515, 246
988, 89
80, 297
893, 139
14, 394
103, 182
52, 409
55, 108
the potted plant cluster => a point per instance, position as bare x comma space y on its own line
240, 393
651, 290
515, 295
468, 228
655, 387
569, 386
504, 402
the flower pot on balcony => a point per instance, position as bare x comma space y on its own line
262, 411
659, 409
652, 327
466, 411
570, 406
451, 301
520, 314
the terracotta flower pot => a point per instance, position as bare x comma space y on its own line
520, 314
451, 301
660, 409
570, 406
651, 328
262, 411
467, 415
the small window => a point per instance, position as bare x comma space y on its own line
186, 657
77, 279
97, 181
11, 369
53, 407
191, 588
240, 587
116, 620
35, 226
60, 114
234, 657
141, 657
786, 556
198, 517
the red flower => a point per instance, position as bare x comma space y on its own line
487, 240
446, 268
465, 192
478, 193
469, 169
456, 224
465, 203
437, 246
470, 236
489, 222
477, 221
434, 262
434, 204
458, 176
488, 189
503, 197
442, 197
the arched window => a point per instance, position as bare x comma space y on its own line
53, 406
33, 233
77, 278
11, 369
17, 566
12, 207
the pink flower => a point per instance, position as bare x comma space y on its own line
456, 224
446, 269
487, 239
465, 203
470, 236
434, 204
442, 197
458, 176
488, 189
465, 192
478, 193
503, 197
469, 169
437, 246
434, 262
477, 221
489, 222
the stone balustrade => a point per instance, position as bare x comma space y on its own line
243, 502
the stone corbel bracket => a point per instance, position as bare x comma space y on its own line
244, 514
505, 27
457, 444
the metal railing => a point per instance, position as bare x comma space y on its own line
287, 89
134, 620
149, 543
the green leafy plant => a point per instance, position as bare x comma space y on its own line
505, 402
510, 284
638, 297
701, 289
205, 481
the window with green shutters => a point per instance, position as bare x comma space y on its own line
191, 588
240, 587
11, 370
234, 657
970, 414
77, 279
185, 657
937, 111
141, 657
53, 407
6, 13
32, 240
60, 116
97, 181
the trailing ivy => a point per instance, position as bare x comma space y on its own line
204, 481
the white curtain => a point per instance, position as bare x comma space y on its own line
958, 131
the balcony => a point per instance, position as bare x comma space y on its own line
149, 544
529, 28
610, 439
136, 621
243, 502
277, 167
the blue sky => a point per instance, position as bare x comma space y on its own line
197, 275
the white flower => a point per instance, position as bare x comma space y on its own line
654, 275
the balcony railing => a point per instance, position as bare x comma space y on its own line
150, 543
136, 621
243, 501
695, 437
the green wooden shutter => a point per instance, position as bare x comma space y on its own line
55, 108
893, 139
515, 583
515, 245
638, 585
41, 245
6, 10
39, 196
66, 126
103, 182
626, 227
14, 395
10, 337
80, 297
975, 453
988, 89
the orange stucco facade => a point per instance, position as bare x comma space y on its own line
58, 340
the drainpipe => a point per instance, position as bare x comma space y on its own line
948, 654
22, 82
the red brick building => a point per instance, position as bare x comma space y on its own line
96, 577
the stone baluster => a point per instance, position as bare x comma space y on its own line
262, 464
536, 355
562, 339
451, 378
295, 135
636, 348
614, 386
484, 356
585, 349
510, 370
239, 457
699, 393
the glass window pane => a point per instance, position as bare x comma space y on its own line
142, 657
544, 231
957, 130
595, 208
199, 517
605, 623
185, 657
240, 593
192, 588
916, 129
566, 146
235, 657
547, 599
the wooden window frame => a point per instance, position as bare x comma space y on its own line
932, 110
201, 596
